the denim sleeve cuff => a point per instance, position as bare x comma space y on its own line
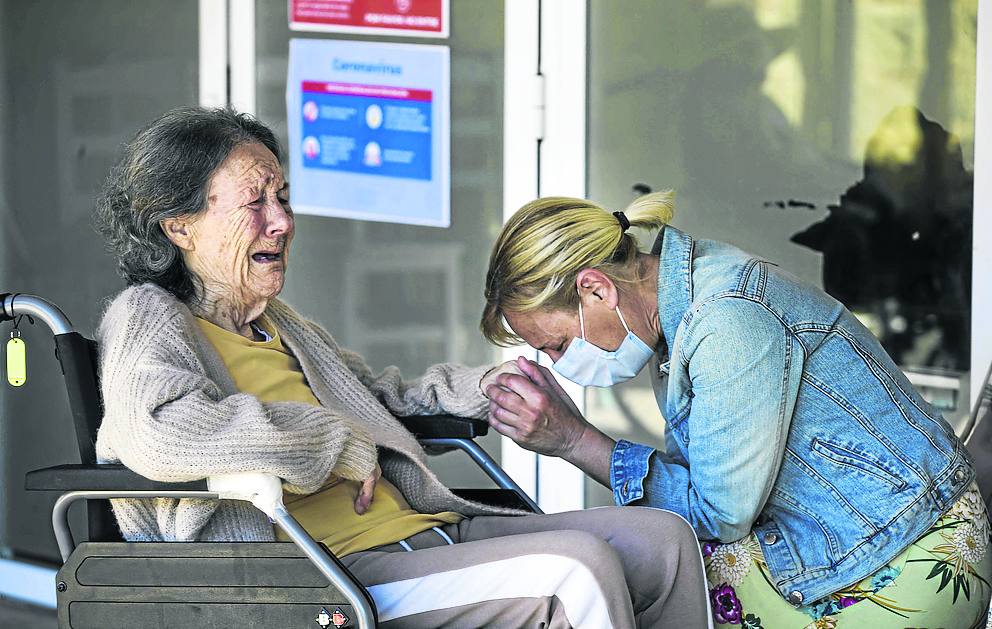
628, 469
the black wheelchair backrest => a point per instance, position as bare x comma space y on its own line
78, 357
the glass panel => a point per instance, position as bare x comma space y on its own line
399, 294
76, 80
833, 138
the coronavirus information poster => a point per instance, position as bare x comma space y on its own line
369, 130
417, 18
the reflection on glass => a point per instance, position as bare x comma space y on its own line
897, 247
833, 138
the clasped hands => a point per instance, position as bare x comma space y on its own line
528, 405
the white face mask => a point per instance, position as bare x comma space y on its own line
587, 365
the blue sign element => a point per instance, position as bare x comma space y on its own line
372, 135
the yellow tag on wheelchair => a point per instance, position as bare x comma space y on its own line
17, 371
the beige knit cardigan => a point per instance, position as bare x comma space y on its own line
172, 413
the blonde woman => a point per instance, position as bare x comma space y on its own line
828, 491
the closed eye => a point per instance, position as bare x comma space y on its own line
282, 196
256, 202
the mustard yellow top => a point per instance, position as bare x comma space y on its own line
267, 370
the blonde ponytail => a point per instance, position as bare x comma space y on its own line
651, 211
544, 245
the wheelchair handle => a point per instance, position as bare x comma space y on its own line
17, 304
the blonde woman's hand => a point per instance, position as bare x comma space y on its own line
532, 409
535, 411
364, 499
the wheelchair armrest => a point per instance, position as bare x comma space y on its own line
104, 477
498, 498
444, 427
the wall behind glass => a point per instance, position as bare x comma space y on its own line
834, 138
77, 80
398, 294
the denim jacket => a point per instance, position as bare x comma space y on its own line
785, 416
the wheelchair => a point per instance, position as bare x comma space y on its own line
108, 582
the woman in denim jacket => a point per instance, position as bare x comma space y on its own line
826, 491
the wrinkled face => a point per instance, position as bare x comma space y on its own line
240, 243
550, 331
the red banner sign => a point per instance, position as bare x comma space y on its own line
423, 18
374, 91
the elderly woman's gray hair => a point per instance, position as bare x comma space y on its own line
165, 173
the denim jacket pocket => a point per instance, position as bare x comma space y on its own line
859, 461
778, 551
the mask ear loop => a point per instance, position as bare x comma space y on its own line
622, 321
582, 323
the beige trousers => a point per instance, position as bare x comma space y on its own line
618, 567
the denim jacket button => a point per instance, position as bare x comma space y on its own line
959, 475
796, 598
770, 538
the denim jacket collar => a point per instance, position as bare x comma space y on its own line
674, 249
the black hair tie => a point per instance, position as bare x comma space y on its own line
622, 218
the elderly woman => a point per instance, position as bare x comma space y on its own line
828, 491
205, 372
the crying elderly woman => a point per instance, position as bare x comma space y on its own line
204, 372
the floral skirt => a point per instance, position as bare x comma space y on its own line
941, 580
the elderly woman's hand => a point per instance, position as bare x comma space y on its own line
531, 408
364, 499
489, 379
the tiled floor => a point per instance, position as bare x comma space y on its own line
20, 616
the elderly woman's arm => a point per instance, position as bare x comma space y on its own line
444, 388
167, 421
